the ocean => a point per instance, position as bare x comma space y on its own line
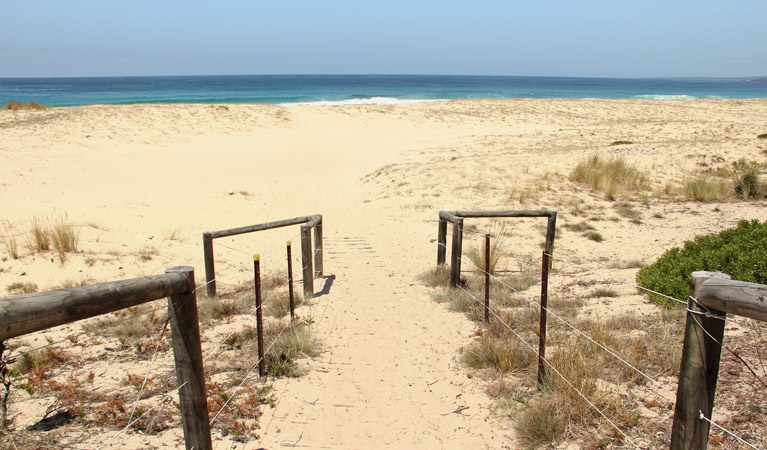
358, 89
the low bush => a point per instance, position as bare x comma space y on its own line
609, 175
18, 106
740, 252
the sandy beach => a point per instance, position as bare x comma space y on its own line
143, 182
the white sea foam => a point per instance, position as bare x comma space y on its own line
364, 101
664, 97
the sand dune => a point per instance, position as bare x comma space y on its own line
149, 179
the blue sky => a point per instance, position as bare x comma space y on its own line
549, 38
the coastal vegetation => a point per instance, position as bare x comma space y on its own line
609, 175
502, 356
740, 252
18, 106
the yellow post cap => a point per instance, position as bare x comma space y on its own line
256, 257
289, 244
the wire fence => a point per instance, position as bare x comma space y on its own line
612, 352
141, 407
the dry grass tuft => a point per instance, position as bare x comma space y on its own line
540, 423
64, 235
9, 240
41, 236
707, 189
609, 175
18, 106
502, 355
439, 276
19, 288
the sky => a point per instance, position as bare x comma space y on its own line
589, 38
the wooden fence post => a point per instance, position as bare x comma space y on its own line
306, 260
210, 270
441, 242
455, 256
699, 370
318, 249
542, 324
185, 333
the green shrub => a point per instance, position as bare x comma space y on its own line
748, 186
740, 252
762, 136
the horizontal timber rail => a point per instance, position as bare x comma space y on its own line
457, 217
312, 269
24, 314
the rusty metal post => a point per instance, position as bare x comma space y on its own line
542, 325
487, 278
259, 315
290, 283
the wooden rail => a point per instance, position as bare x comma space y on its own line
713, 295
24, 314
457, 217
312, 264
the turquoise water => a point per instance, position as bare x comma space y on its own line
350, 89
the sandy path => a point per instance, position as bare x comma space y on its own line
388, 375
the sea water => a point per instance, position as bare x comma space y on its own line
356, 89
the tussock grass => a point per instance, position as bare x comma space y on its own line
218, 308
64, 235
614, 143
19, 288
18, 106
9, 240
609, 175
439, 276
762, 136
41, 236
707, 189
502, 355
278, 306
296, 341
594, 236
540, 423
477, 254
604, 292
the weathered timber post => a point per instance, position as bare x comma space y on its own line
306, 260
259, 315
455, 253
441, 242
185, 334
542, 324
210, 269
290, 283
550, 231
487, 278
318, 249
701, 351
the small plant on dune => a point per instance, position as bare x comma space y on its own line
41, 236
762, 136
609, 175
439, 276
64, 235
18, 106
290, 342
594, 236
707, 189
278, 306
18, 288
477, 255
748, 186
502, 355
9, 240
614, 143
540, 423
